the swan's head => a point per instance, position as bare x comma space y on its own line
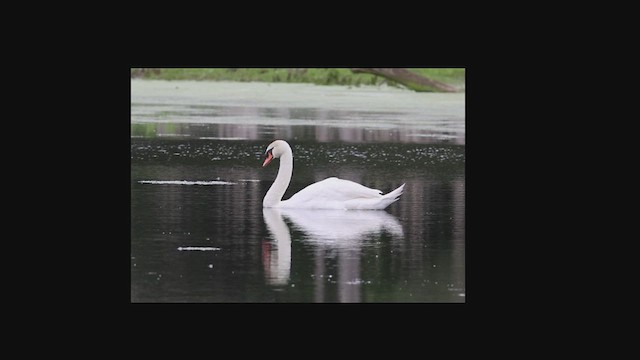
275, 150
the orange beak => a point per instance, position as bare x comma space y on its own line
268, 159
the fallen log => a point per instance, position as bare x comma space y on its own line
407, 78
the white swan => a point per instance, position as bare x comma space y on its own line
331, 193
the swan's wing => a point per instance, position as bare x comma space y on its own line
334, 189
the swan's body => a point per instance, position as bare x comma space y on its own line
331, 193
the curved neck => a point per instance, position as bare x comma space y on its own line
280, 185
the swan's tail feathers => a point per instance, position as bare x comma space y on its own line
393, 196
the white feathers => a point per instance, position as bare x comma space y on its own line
331, 193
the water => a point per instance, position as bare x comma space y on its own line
198, 229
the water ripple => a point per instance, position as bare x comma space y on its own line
184, 182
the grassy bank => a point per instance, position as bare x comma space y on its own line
320, 76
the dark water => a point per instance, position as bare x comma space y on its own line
199, 232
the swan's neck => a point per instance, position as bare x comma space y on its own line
280, 185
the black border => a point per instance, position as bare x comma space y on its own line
478, 277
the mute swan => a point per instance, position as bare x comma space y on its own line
330, 193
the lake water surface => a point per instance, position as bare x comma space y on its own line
198, 229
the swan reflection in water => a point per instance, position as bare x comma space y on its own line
277, 264
327, 230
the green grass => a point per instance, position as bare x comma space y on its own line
319, 76
450, 76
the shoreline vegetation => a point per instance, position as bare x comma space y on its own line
415, 79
